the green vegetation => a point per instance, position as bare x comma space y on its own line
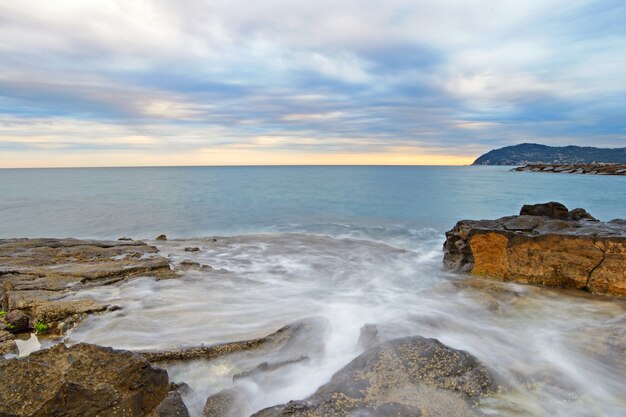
527, 153
10, 326
2, 313
41, 327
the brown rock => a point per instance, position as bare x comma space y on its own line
82, 380
171, 406
16, 321
581, 214
161, 237
8, 346
542, 248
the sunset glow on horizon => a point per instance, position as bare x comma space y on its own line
276, 82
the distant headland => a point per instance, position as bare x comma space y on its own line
533, 153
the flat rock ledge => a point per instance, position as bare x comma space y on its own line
545, 244
41, 279
590, 169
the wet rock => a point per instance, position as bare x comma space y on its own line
81, 380
181, 387
547, 245
187, 265
16, 321
171, 406
192, 249
39, 276
368, 337
409, 375
161, 237
303, 336
227, 403
266, 367
392, 410
125, 239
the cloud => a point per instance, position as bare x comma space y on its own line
328, 77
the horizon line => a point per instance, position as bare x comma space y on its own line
239, 166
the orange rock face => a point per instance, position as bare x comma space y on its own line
584, 254
490, 255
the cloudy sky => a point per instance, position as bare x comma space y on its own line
171, 82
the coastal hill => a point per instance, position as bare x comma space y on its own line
533, 153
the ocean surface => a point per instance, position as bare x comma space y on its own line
349, 245
201, 201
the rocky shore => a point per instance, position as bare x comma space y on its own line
43, 282
589, 169
545, 244
45, 286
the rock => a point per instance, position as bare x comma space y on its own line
227, 403
161, 237
5, 335
16, 321
7, 343
266, 367
125, 239
181, 387
171, 406
411, 376
187, 265
545, 244
368, 337
303, 337
552, 209
592, 169
39, 275
192, 249
581, 214
81, 380
6, 347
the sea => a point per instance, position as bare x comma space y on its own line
350, 245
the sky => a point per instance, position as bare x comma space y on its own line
216, 82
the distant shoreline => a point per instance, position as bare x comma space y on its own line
588, 169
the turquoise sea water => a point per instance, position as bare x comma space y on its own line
199, 201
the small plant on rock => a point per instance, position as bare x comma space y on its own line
2, 314
41, 327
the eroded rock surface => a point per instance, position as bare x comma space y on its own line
82, 380
546, 244
288, 342
411, 376
38, 276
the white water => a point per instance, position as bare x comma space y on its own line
556, 353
